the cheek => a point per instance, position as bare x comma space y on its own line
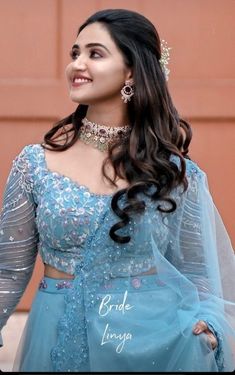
110, 74
68, 71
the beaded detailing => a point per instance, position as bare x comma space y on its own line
100, 136
18, 235
63, 284
42, 285
20, 172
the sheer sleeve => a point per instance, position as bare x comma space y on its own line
202, 252
197, 239
18, 236
206, 253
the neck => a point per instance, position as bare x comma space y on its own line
115, 116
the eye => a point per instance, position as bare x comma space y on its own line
95, 54
73, 54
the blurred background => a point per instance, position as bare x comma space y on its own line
35, 39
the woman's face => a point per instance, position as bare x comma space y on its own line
97, 71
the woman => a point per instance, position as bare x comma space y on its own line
137, 261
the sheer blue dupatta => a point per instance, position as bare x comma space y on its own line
199, 264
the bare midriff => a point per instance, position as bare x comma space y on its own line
53, 273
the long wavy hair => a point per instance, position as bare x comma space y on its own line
157, 130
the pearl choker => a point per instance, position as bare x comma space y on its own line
101, 136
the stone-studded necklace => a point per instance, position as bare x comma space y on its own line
101, 136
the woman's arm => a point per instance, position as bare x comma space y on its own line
18, 236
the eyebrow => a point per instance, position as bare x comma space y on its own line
89, 45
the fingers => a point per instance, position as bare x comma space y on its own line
200, 327
212, 339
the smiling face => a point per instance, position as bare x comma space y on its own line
97, 72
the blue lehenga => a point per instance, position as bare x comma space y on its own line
130, 307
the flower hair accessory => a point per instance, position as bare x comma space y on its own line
165, 57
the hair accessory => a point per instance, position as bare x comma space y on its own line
165, 56
127, 92
101, 136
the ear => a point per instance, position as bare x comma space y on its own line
129, 78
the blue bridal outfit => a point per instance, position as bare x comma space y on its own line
130, 307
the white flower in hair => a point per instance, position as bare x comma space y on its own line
165, 57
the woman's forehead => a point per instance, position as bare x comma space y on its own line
95, 33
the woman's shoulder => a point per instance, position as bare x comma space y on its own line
29, 150
192, 167
28, 158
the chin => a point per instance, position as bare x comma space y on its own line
76, 99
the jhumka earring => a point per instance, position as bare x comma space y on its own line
127, 92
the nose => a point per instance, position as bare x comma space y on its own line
80, 63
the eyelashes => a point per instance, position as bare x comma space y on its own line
73, 54
93, 54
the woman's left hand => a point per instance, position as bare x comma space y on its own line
200, 327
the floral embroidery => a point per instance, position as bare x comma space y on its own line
64, 285
136, 282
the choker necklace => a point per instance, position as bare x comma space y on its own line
101, 136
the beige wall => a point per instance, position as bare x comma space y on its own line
35, 38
